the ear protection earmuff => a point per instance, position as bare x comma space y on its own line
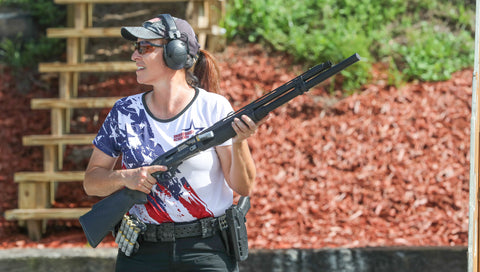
175, 52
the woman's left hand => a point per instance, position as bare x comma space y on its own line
246, 127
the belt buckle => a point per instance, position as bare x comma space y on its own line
206, 225
166, 232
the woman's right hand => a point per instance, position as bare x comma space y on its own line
102, 180
141, 179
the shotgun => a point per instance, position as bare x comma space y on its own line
107, 213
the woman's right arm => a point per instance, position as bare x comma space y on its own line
102, 180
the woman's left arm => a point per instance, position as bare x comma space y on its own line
236, 160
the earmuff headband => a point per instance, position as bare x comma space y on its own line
173, 32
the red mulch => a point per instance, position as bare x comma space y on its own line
384, 167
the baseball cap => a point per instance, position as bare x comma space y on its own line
156, 28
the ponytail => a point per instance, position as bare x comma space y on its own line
206, 73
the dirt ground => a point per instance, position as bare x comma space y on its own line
386, 166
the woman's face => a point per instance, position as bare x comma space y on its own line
150, 65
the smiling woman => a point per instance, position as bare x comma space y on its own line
183, 100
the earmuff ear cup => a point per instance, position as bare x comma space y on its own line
190, 62
175, 54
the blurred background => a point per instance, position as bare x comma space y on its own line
377, 156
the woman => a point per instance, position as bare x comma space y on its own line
143, 126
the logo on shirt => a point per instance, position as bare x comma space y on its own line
187, 133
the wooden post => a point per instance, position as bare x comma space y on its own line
205, 16
195, 15
36, 195
216, 38
33, 196
473, 242
79, 17
39, 194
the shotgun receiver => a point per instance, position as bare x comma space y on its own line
105, 215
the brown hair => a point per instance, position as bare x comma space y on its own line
206, 73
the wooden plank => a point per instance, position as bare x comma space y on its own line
64, 176
49, 140
121, 66
87, 102
476, 149
107, 32
99, 32
474, 205
38, 214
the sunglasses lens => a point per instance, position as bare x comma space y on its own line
143, 47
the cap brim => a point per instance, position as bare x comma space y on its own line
133, 33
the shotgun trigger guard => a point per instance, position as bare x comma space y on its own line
167, 175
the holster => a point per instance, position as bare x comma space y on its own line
236, 231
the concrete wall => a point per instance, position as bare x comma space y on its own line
65, 260
398, 259
438, 259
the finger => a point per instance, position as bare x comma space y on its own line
156, 168
239, 127
146, 180
249, 122
141, 186
245, 124
236, 128
148, 184
150, 181
148, 187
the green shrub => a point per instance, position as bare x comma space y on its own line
408, 35
20, 53
431, 53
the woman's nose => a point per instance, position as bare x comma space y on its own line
135, 55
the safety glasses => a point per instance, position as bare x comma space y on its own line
144, 47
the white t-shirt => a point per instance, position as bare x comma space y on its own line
199, 188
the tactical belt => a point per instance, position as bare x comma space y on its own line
168, 232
